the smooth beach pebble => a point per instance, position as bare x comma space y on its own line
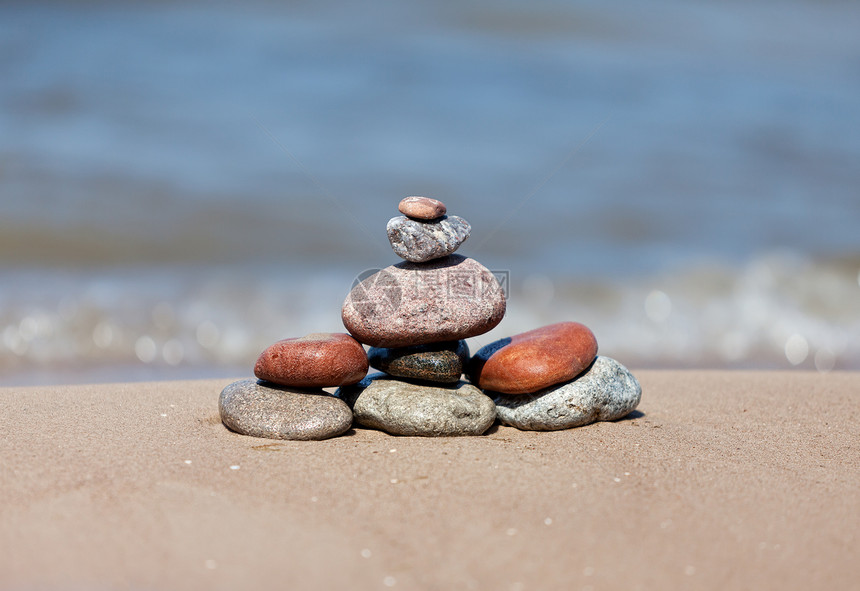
404, 408
251, 408
606, 392
422, 208
319, 360
419, 241
534, 360
438, 362
409, 304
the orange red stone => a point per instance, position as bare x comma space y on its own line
534, 360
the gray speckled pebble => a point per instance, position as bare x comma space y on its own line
605, 392
404, 408
420, 241
259, 409
437, 362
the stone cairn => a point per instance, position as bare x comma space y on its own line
415, 316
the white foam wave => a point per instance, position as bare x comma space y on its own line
777, 311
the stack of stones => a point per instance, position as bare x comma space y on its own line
287, 401
414, 316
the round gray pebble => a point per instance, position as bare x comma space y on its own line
405, 408
260, 409
605, 392
420, 241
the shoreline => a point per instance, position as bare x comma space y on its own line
720, 479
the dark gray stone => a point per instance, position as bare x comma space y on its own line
438, 362
265, 410
420, 241
405, 408
606, 391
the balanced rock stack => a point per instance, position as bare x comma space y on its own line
414, 316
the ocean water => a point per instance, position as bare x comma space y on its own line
183, 183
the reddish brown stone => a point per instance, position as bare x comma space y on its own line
319, 360
534, 360
422, 208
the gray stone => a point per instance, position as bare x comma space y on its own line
265, 410
409, 304
606, 391
404, 408
420, 241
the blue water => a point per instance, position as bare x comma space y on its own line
604, 154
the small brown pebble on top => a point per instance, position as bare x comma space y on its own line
422, 208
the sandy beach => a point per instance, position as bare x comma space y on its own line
721, 480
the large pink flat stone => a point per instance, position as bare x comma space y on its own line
445, 299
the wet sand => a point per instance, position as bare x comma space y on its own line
721, 480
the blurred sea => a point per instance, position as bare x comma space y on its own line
183, 183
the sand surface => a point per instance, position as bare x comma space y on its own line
722, 480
